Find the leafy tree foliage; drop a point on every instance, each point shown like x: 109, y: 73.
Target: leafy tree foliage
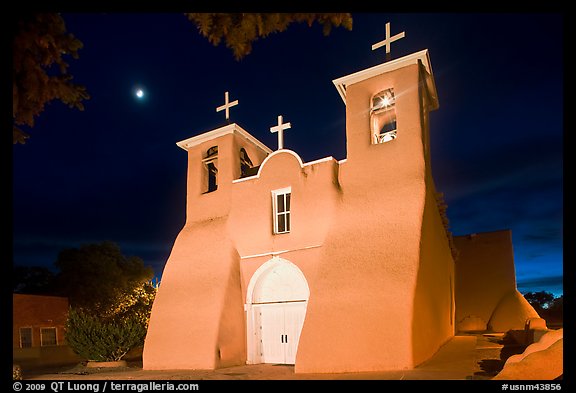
x: 16, y: 372
x: 39, y: 70
x: 97, y: 339
x: 539, y: 300
x: 134, y: 303
x: 98, y: 277
x: 33, y: 280
x: 240, y: 30
x: 546, y: 305
x: 111, y: 297
x: 556, y: 308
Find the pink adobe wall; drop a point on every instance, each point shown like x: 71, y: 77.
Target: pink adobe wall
x: 313, y: 201
x: 361, y: 315
x: 198, y: 305
x: 434, y: 304
x: 305, y: 260
x: 433, y: 323
x: 546, y: 364
x: 486, y: 260
x: 357, y: 235
x: 205, y: 206
x: 511, y: 313
x: 197, y: 319
x: 542, y: 360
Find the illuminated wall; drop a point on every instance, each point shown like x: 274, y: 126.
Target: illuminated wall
x: 486, y: 294
x: 365, y: 237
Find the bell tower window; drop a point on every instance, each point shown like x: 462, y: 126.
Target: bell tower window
x: 210, y: 176
x: 383, y: 116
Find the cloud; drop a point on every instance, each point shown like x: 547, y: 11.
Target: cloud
x: 554, y: 284
x: 544, y: 235
x: 545, y: 280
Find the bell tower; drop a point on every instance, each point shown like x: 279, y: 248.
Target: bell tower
x: 388, y: 201
x: 387, y: 110
x: 215, y: 159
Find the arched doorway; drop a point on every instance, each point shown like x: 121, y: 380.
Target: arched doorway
x: 276, y: 303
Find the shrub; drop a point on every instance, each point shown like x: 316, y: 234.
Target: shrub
x: 16, y: 372
x: 103, y: 340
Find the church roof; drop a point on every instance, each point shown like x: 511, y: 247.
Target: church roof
x: 228, y: 129
x: 423, y: 56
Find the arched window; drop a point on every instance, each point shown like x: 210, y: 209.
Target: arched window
x: 245, y: 164
x: 383, y: 116
x: 210, y: 178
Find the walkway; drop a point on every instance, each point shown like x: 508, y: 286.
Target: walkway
x: 456, y: 360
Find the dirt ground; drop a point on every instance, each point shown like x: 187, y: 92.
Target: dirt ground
x: 491, y: 353
x: 474, y: 356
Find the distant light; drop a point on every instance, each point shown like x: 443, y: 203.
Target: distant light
x: 139, y: 93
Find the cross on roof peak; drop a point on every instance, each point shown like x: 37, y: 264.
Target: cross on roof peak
x: 280, y: 130
x: 388, y: 40
x: 227, y: 105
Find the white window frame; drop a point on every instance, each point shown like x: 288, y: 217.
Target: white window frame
x: 31, y: 336
x: 42, y: 337
x: 286, y: 213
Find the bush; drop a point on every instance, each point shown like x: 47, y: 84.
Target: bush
x: 16, y: 372
x: 103, y: 340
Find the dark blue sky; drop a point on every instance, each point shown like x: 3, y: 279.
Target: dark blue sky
x: 114, y: 172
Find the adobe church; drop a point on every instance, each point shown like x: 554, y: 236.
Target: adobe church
x: 333, y: 266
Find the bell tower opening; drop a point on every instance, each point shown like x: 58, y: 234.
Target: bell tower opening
x: 210, y: 175
x: 383, y: 116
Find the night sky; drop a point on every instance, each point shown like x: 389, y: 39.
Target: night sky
x: 114, y: 172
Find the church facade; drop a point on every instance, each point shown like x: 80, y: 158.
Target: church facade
x: 333, y: 266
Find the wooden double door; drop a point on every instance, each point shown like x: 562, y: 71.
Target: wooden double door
x: 278, y: 327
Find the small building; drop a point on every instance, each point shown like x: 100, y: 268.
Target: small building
x: 38, y: 331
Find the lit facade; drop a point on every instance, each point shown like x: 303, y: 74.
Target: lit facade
x: 333, y: 266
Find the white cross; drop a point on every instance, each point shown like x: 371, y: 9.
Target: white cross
x: 227, y: 105
x: 388, y: 39
x: 280, y: 130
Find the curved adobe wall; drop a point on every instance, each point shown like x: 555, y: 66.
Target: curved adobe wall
x: 197, y: 319
x: 511, y: 313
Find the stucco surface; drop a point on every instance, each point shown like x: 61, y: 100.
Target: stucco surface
x: 365, y: 233
x: 542, y: 360
x: 472, y: 323
x: 433, y: 322
x: 511, y: 313
x: 198, y: 307
x: 362, y: 316
x: 486, y: 291
x: 545, y: 341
